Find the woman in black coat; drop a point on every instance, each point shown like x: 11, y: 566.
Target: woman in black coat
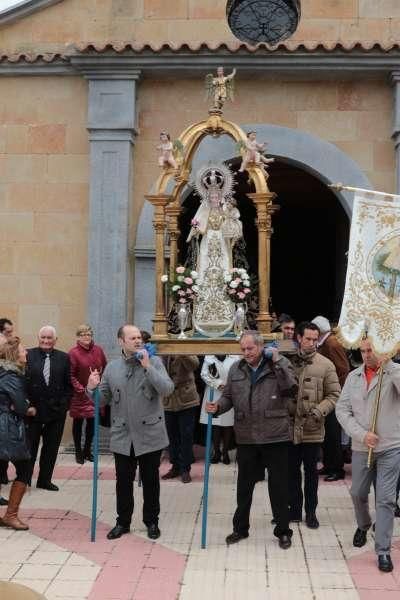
x: 13, y: 407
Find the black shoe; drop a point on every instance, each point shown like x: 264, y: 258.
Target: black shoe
x: 225, y: 459
x: 3, y: 501
x: 360, y: 538
x: 185, y: 477
x: 79, y: 458
x: 153, y: 531
x: 285, y: 541
x: 273, y: 521
x: 171, y: 474
x: 397, y: 511
x: 88, y: 456
x: 385, y: 563
x: 117, y: 531
x: 334, y: 477
x: 323, y: 471
x: 215, y: 459
x: 235, y: 537
x: 51, y: 487
x: 312, y: 521
x: 4, y: 480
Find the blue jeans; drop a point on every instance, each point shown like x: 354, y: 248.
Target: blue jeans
x: 180, y: 428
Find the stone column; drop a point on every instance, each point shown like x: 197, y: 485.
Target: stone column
x: 111, y: 126
x: 265, y: 209
x: 395, y: 79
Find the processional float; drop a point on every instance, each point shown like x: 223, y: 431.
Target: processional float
x: 209, y: 286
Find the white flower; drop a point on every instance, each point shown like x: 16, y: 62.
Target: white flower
x: 195, y: 288
x: 227, y: 277
x: 194, y: 274
x: 164, y: 278
x: 233, y: 284
x: 180, y: 278
x: 241, y: 271
x: 175, y: 288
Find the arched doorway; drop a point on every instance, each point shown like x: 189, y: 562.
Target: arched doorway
x: 308, y: 245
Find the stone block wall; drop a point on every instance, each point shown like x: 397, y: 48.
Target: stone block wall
x: 159, y: 21
x: 43, y: 204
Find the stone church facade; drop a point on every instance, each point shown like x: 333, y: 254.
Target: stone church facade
x: 86, y: 86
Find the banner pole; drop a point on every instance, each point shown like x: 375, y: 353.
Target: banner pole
x: 206, y: 474
x: 96, y: 395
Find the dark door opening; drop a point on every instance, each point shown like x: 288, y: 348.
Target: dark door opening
x: 308, y: 245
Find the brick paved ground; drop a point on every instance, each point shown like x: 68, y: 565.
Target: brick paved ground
x: 57, y: 559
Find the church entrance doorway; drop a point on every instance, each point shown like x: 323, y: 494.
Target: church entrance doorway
x: 308, y: 245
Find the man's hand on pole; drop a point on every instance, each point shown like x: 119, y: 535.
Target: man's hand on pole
x: 371, y: 439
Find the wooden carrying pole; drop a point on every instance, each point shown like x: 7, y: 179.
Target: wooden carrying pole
x: 376, y: 411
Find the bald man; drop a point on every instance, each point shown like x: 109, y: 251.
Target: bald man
x: 49, y: 391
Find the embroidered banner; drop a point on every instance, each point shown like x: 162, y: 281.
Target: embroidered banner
x: 372, y: 295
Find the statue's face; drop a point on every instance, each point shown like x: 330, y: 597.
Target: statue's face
x: 252, y: 136
x: 163, y: 137
x: 220, y: 71
x: 214, y: 198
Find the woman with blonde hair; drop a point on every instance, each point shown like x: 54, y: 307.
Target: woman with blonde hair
x: 14, y: 406
x: 85, y: 357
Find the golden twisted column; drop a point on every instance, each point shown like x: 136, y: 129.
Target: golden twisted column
x: 160, y: 321
x: 265, y: 209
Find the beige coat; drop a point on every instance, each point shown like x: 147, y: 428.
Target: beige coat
x: 181, y: 370
x: 319, y: 390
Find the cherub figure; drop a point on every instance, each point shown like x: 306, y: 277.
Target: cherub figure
x: 166, y: 147
x: 253, y: 153
x: 220, y: 88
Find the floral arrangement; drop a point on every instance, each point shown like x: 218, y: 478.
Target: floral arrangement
x: 182, y: 287
x: 237, y: 285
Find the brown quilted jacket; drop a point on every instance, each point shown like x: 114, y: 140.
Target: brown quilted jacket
x: 319, y: 390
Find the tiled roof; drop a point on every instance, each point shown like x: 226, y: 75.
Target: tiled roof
x: 202, y: 47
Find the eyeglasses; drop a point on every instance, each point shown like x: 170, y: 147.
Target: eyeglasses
x: 85, y: 335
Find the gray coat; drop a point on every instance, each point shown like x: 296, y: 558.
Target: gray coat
x: 137, y: 412
x: 354, y: 409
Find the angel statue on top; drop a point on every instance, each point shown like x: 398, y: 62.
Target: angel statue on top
x: 215, y: 228
x: 252, y: 153
x: 168, y: 151
x: 220, y: 88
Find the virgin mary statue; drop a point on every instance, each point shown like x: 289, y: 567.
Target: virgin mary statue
x: 216, y: 227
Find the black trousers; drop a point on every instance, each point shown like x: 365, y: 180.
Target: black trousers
x: 332, y: 446
x: 77, y: 426
x: 306, y: 454
x: 51, y: 434
x: 180, y: 428
x: 251, y: 458
x: 125, y: 469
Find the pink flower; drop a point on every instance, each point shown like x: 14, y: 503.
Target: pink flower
x: 181, y: 293
x: 188, y: 280
x: 231, y: 292
x: 247, y: 290
x: 180, y: 269
x: 194, y: 223
x: 238, y: 280
x: 241, y: 295
x: 182, y: 300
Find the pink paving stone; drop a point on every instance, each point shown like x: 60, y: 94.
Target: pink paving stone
x: 123, y: 561
x: 375, y: 581
x: 383, y: 595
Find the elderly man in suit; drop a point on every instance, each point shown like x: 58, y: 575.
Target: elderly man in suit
x: 134, y: 385
x: 49, y: 391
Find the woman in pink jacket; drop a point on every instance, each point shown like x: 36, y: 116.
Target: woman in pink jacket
x: 85, y: 357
